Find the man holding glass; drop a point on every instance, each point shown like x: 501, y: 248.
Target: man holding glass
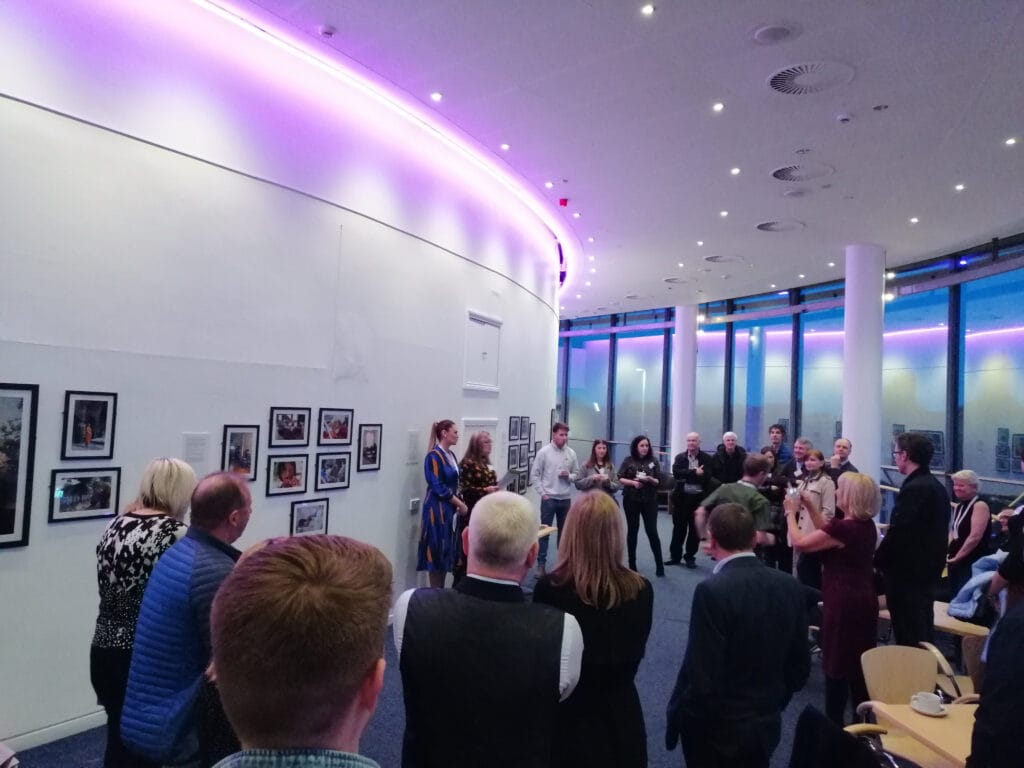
x: 555, y: 469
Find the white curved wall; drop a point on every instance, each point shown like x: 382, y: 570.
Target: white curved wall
x: 186, y: 226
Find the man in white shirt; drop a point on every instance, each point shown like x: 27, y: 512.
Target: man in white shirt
x: 482, y: 652
x: 555, y: 469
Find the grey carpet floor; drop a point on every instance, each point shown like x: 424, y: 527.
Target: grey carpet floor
x: 382, y: 740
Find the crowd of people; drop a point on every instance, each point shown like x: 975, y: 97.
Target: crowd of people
x: 295, y: 627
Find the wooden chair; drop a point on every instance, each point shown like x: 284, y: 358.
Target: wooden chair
x: 894, y: 673
x: 950, y: 683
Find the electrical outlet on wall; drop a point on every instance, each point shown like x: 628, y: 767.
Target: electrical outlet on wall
x: 414, y: 505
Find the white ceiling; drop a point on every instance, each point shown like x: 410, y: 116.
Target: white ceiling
x: 615, y: 107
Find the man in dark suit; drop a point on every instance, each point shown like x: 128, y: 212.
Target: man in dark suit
x: 913, y: 553
x: 793, y: 470
x: 691, y: 470
x: 746, y: 655
x: 481, y: 654
x: 840, y: 462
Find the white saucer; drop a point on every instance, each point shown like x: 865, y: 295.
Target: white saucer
x: 941, y: 713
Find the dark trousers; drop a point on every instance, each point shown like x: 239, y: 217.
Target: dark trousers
x: 910, y: 609
x: 808, y: 570
x: 838, y: 692
x: 551, y: 510
x: 648, y: 510
x: 699, y: 752
x: 108, y: 670
x: 684, y: 527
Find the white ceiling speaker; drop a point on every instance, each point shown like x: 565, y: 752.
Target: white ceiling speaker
x: 803, y: 172
x: 810, y: 77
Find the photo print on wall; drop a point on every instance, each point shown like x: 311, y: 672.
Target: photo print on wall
x: 89, y: 421
x: 369, y: 447
x: 289, y: 427
x: 332, y: 471
x: 335, y: 426
x: 240, y: 450
x: 309, y: 517
x: 18, y: 404
x: 286, y: 474
x: 81, y: 494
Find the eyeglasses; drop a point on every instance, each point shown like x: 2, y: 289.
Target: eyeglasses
x: 897, y: 453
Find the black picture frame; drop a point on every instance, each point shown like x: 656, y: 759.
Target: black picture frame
x: 309, y: 517
x: 90, y: 419
x: 536, y: 447
x: 370, y: 441
x: 333, y: 471
x: 513, y: 428
x: 522, y: 483
x: 334, y: 426
x: 513, y: 457
x: 84, y: 494
x: 524, y: 456
x: 533, y: 431
x: 524, y: 422
x: 295, y: 482
x: 289, y: 427
x: 240, y: 450
x: 19, y: 404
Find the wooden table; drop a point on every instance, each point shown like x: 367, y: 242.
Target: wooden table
x: 946, y: 623
x: 949, y: 736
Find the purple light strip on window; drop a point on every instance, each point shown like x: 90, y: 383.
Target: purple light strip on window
x: 428, y: 123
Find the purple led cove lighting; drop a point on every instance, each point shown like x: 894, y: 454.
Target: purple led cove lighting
x: 429, y: 123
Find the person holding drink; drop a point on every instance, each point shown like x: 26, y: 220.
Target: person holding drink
x: 555, y: 469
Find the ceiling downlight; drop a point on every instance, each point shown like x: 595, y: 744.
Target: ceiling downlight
x: 810, y: 78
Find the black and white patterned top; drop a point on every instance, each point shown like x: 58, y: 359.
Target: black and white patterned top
x: 125, y: 556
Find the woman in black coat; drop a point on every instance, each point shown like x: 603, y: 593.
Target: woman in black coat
x: 601, y: 725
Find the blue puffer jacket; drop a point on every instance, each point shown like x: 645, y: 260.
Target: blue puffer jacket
x: 172, y: 648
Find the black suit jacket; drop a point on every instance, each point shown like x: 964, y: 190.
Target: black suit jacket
x: 746, y: 655
x: 682, y: 474
x: 914, y: 548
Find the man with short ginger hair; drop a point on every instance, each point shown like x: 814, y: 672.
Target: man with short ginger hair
x: 482, y: 654
x: 298, y: 646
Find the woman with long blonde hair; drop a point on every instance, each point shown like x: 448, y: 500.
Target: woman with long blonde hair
x: 602, y: 723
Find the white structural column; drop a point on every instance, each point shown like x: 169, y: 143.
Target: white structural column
x: 684, y: 376
x: 862, y: 355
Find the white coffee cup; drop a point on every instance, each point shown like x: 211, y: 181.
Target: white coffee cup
x: 641, y: 475
x: 926, y: 702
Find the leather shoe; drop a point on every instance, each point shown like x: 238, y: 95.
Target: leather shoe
x: 673, y: 562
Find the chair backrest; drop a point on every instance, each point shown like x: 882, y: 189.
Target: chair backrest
x: 894, y: 673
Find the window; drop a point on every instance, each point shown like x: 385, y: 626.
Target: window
x: 821, y: 382
x: 761, y: 377
x: 638, y: 396
x: 588, y: 390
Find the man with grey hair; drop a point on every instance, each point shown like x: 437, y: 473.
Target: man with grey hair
x: 727, y: 463
x: 793, y: 470
x: 481, y: 651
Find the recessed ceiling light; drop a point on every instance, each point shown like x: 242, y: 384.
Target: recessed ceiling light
x: 436, y: 97
x: 590, y: 239
x: 587, y: 283
x: 831, y: 263
x: 735, y: 171
x: 890, y: 275
x: 576, y: 214
x: 593, y: 270
x: 723, y: 214
x: 914, y: 219
x: 1011, y: 141
x: 562, y: 306
x: 579, y: 295
x: 801, y: 276
x: 505, y: 147
x: 772, y: 285
x: 647, y: 10
x: 591, y: 258
x: 680, y: 263
x: 718, y: 106
x: 959, y: 187
x: 700, y: 243
x: 548, y: 184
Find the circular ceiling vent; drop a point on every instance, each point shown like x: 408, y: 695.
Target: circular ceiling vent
x: 721, y: 258
x: 785, y: 225
x: 773, y: 34
x: 811, y: 77
x: 803, y: 172
x: 637, y: 296
x: 674, y: 280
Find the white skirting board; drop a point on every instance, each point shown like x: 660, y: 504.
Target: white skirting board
x: 56, y: 731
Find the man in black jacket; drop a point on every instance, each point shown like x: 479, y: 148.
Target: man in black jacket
x: 727, y: 463
x: 746, y: 654
x: 692, y: 472
x: 913, y: 553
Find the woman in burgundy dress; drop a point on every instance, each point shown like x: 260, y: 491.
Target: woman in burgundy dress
x: 850, y: 609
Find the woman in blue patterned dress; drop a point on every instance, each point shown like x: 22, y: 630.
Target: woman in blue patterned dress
x: 440, y: 503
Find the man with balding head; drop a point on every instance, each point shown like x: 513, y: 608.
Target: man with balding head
x: 172, y: 715
x: 692, y: 472
x: 481, y: 654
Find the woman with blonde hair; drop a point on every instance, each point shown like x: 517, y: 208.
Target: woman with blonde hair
x: 478, y: 479
x: 850, y: 605
x: 968, y: 529
x: 602, y: 723
x: 125, y: 556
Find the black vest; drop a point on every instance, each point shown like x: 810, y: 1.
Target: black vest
x: 480, y: 669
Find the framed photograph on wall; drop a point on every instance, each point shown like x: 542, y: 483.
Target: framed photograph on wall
x: 533, y: 431
x: 334, y: 426
x: 286, y: 474
x: 524, y: 427
x: 524, y: 456
x: 536, y: 447
x: 240, y: 450
x: 81, y: 494
x: 522, y: 484
x: 369, y: 447
x: 513, y: 428
x: 332, y: 471
x: 289, y: 427
x: 309, y: 517
x: 89, y: 420
x: 18, y: 405
x: 513, y: 457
